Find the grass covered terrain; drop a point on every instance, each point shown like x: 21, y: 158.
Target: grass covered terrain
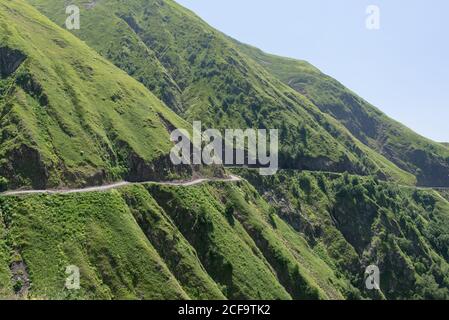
x: 353, y: 222
x: 95, y: 232
x: 203, y: 75
x: 310, y: 236
x: 426, y: 159
x: 68, y: 116
x: 154, y: 242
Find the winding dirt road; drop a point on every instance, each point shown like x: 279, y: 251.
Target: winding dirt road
x: 232, y: 178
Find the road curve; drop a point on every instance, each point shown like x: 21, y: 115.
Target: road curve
x: 231, y: 178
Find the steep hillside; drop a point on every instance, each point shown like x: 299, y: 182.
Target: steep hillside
x: 353, y: 222
x: 217, y: 84
x: 68, y: 116
x: 156, y: 242
x: 426, y: 159
x: 95, y: 232
x: 310, y: 236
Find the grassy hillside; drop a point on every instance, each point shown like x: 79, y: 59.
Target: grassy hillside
x: 95, y: 232
x: 310, y: 236
x: 207, y: 242
x: 68, y: 116
x: 426, y: 159
x: 353, y: 222
x: 216, y: 83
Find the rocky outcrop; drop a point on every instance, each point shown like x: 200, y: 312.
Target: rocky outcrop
x: 25, y: 164
x: 31, y: 86
x: 10, y: 60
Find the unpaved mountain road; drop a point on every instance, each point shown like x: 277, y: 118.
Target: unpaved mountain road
x: 231, y: 178
x: 189, y: 183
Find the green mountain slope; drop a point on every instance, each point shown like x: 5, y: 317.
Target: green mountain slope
x: 216, y: 83
x: 310, y: 236
x: 153, y: 242
x: 354, y: 222
x: 426, y: 159
x: 95, y: 232
x: 68, y: 116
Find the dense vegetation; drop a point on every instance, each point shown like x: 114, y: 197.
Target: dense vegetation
x: 310, y: 236
x: 69, y: 116
x: 156, y: 242
x: 206, y: 75
x: 357, y: 221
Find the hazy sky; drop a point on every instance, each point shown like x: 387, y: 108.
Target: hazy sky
x: 402, y: 68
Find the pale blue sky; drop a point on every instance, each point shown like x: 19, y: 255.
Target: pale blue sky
x: 403, y: 68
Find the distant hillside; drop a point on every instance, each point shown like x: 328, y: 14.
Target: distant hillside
x: 426, y: 159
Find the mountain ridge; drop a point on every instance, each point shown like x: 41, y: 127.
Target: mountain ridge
x: 224, y: 87
x: 426, y: 159
x: 69, y: 117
